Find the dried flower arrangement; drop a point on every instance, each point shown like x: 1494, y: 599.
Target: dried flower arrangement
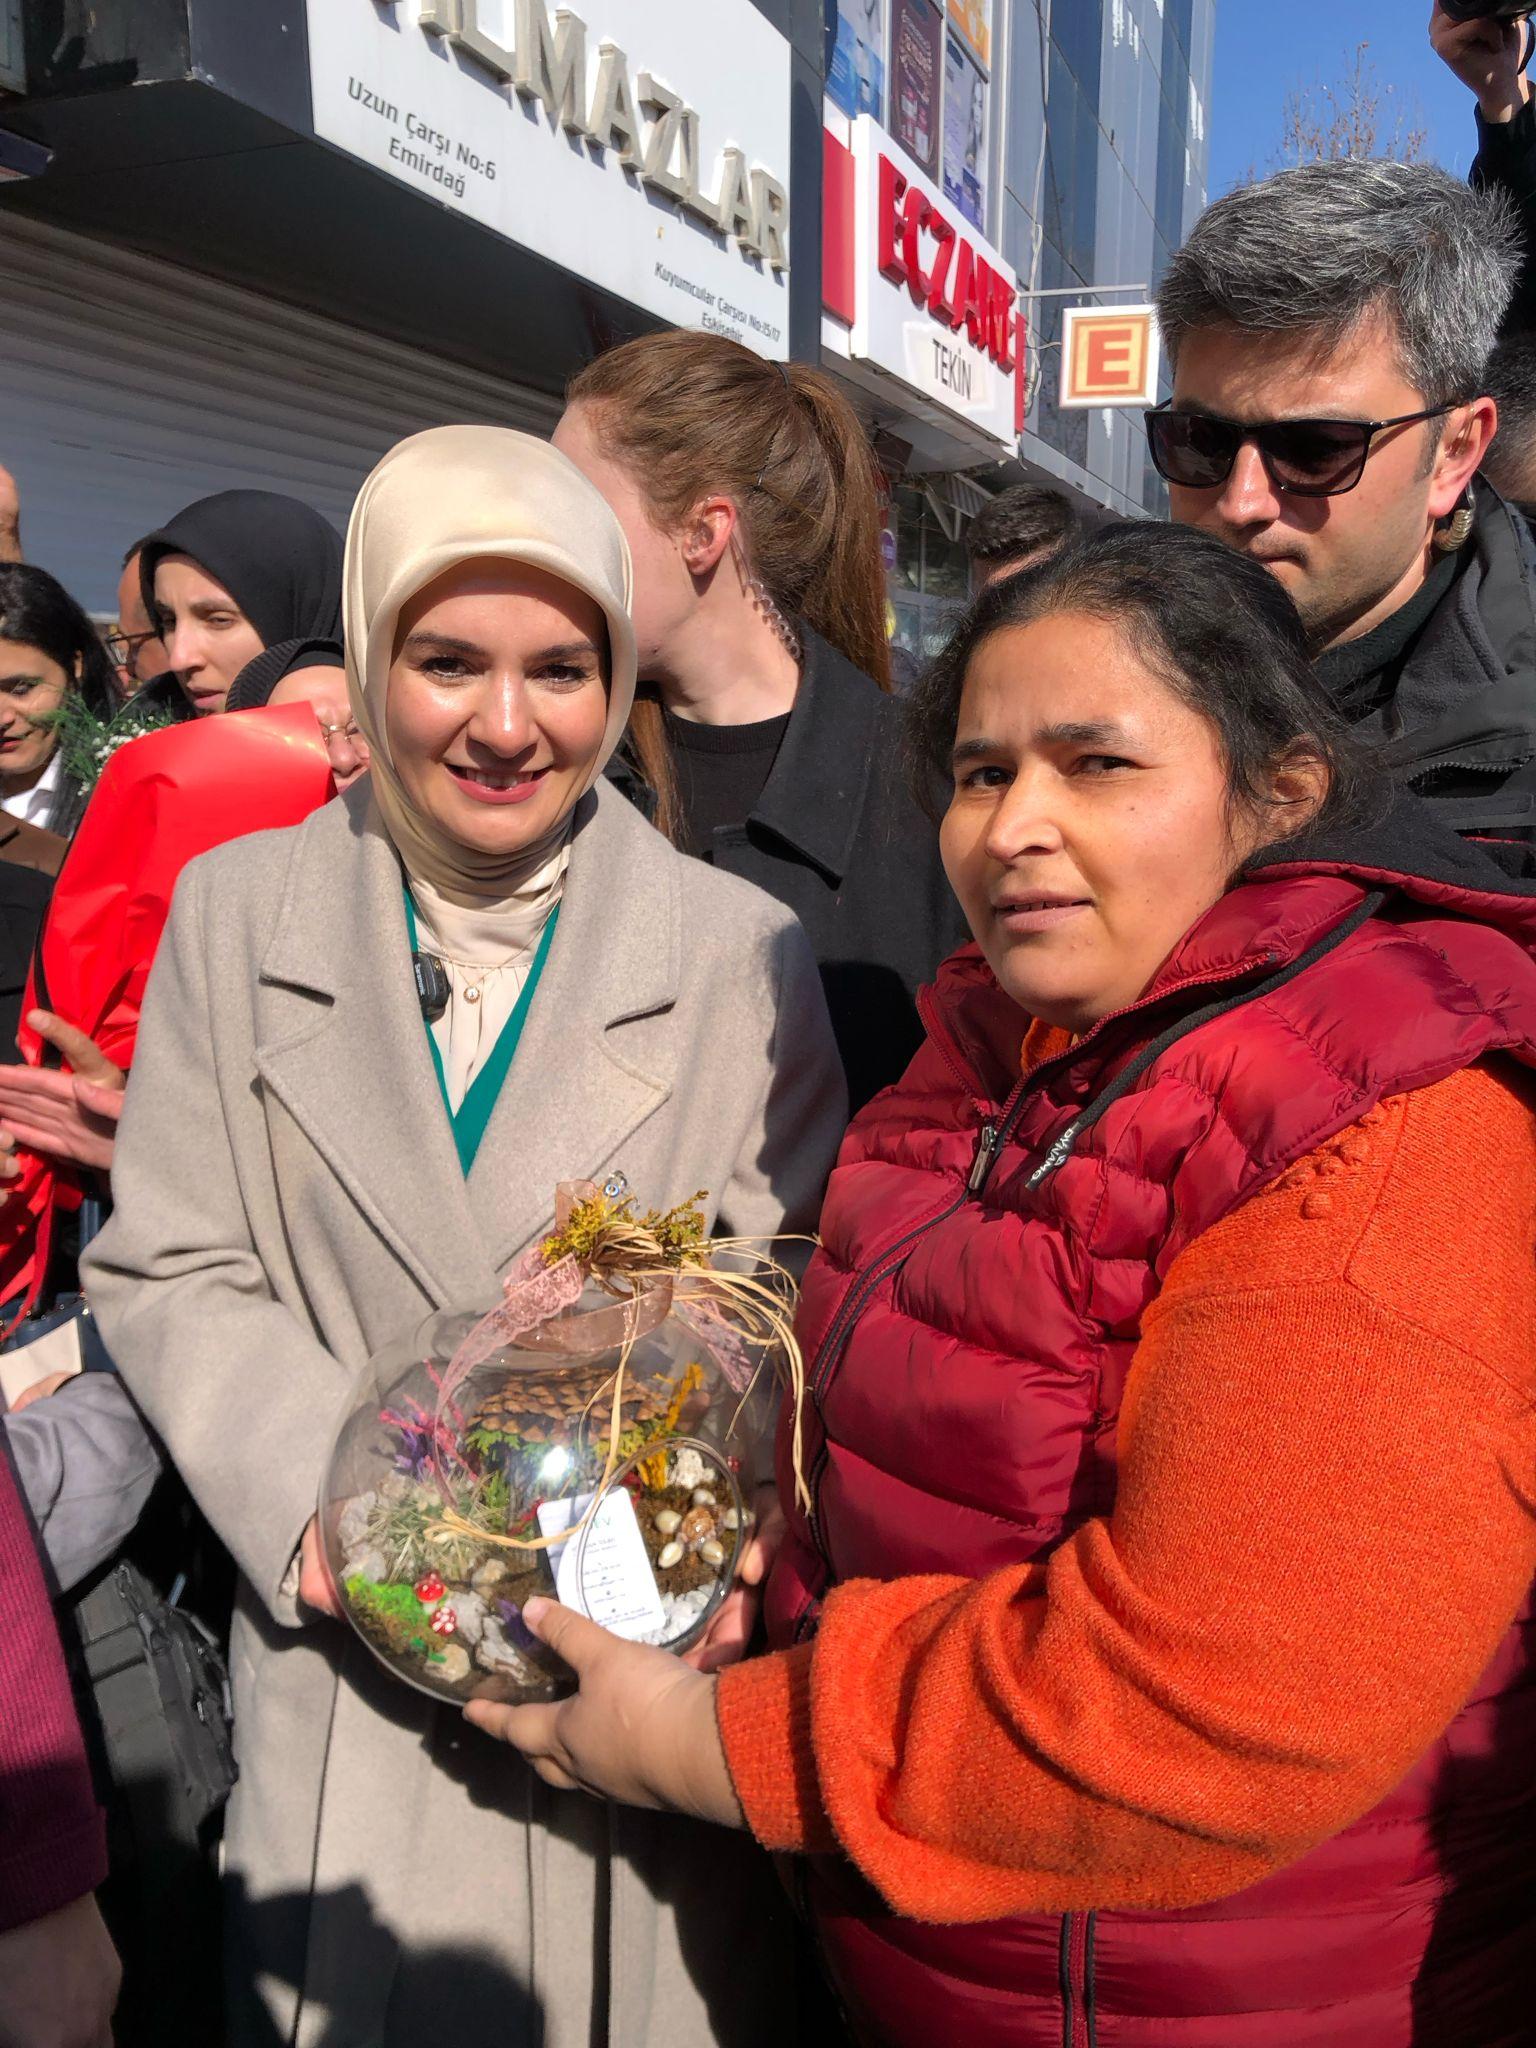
x: 583, y: 1439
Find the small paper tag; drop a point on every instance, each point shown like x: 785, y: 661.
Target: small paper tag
x: 615, y: 1584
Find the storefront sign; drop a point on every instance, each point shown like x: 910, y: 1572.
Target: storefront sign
x: 965, y: 133
x: 973, y: 20
x: 931, y: 303
x: 1109, y: 355
x: 917, y: 52
x: 856, y: 56
x: 641, y: 144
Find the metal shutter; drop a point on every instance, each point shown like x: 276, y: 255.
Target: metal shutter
x: 129, y: 387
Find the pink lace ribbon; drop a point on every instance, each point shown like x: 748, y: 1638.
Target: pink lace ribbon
x: 534, y: 1314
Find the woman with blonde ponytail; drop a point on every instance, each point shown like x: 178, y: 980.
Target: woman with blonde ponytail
x: 763, y: 737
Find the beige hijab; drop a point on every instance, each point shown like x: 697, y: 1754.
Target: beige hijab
x: 448, y: 496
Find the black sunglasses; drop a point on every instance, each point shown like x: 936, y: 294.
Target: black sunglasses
x: 1304, y: 458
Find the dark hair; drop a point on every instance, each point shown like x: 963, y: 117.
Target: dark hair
x: 1214, y: 625
x: 690, y: 413
x: 36, y: 611
x: 1510, y: 464
x: 1029, y: 519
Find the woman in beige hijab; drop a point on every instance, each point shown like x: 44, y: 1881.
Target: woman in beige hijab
x: 309, y: 1162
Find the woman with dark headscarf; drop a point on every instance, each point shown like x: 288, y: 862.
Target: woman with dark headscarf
x: 246, y: 589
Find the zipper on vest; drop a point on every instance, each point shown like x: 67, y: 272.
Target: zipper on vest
x: 836, y: 1339
x: 988, y: 1145
x: 986, y: 1155
x: 1078, y: 2028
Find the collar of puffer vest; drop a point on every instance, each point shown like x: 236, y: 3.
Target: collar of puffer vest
x: 1287, y: 899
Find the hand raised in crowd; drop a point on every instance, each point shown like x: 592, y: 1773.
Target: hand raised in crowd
x: 10, y: 518
x: 66, y: 1116
x: 59, y: 1979
x: 1485, y: 55
x: 641, y: 1728
x: 729, y: 1633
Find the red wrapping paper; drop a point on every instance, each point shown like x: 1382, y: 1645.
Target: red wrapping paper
x: 161, y: 801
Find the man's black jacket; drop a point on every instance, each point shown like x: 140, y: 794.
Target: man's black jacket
x: 1460, y: 728
x: 1506, y: 161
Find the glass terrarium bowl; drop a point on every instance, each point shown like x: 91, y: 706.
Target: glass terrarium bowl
x: 567, y: 1462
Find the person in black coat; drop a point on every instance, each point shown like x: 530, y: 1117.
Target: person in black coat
x: 24, y: 893
x: 766, y: 740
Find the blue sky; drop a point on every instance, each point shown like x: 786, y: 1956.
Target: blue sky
x: 1265, y: 48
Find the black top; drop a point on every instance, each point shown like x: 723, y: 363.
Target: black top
x: 1506, y: 161
x: 1362, y: 675
x: 24, y: 897
x: 721, y: 773
x: 1458, y: 723
x: 835, y: 836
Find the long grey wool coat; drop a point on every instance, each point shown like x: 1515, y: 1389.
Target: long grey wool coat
x: 288, y: 1199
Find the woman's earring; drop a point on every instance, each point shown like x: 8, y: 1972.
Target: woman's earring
x: 1457, y: 530
x: 771, y: 610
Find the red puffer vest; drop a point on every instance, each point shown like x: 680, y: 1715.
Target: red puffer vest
x: 990, y: 1247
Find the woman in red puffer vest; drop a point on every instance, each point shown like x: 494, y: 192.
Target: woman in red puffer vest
x: 1155, y: 1650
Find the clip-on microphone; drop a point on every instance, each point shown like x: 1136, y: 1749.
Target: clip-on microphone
x: 432, y: 990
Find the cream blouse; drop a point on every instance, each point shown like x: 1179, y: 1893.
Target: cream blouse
x: 486, y: 951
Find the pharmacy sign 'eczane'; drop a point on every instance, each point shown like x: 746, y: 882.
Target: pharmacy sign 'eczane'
x: 641, y: 144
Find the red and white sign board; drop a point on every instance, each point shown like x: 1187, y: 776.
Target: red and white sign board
x: 925, y: 299
x: 1109, y: 355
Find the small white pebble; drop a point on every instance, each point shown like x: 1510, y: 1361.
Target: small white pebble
x: 702, y: 1497
x: 671, y: 1554
x: 668, y: 1522
x: 712, y: 1552
x: 451, y: 1663
x: 730, y: 1519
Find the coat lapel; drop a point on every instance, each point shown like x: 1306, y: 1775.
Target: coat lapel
x: 341, y: 1043
x: 580, y: 1085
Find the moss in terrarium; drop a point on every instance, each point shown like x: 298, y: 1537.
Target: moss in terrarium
x: 391, y: 1614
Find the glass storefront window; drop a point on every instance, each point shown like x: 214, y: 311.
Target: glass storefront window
x: 929, y: 587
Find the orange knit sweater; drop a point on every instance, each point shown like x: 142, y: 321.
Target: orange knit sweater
x: 1326, y: 1521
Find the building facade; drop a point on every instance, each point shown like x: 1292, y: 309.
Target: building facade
x: 398, y: 213
x: 409, y: 211
x: 1051, y: 148
x: 1103, y: 171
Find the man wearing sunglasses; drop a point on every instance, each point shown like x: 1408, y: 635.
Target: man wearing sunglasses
x: 1329, y: 331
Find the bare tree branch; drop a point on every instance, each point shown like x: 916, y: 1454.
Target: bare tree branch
x: 1356, y: 115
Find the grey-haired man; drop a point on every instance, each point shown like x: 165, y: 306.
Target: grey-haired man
x: 1329, y: 330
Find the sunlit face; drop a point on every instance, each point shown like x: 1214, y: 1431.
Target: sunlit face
x: 497, y: 702
x: 31, y: 686
x: 207, y: 638
x: 140, y: 656
x: 325, y: 689
x: 1349, y: 561
x: 1089, y: 826
x: 666, y: 597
